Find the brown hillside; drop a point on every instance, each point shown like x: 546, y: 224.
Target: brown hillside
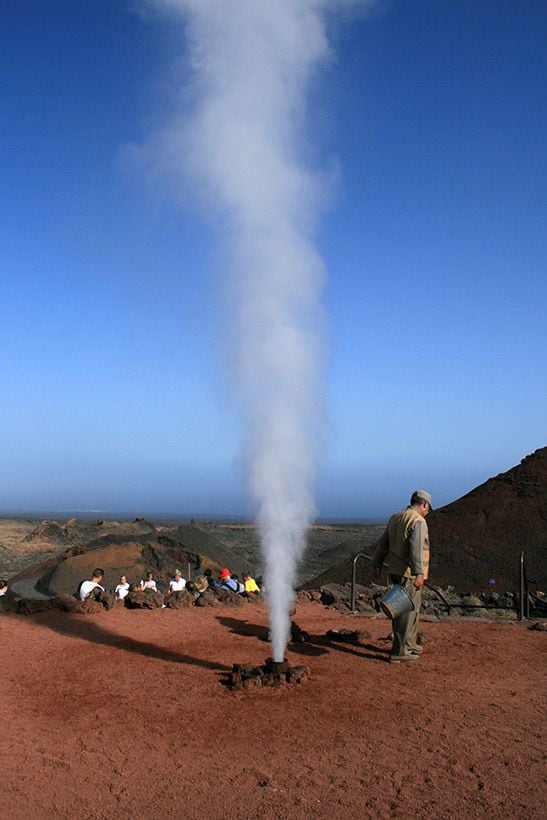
x: 481, y: 535
x: 131, y: 554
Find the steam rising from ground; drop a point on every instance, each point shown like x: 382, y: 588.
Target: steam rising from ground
x: 239, y: 138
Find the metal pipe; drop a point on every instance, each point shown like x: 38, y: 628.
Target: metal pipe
x: 354, y: 574
x: 437, y: 592
x: 524, y: 603
x: 521, y: 602
x: 369, y: 558
x: 527, y: 605
x: 441, y: 596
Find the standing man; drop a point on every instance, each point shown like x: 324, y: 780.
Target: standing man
x: 405, y: 543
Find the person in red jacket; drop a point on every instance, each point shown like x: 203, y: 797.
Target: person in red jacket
x: 226, y: 581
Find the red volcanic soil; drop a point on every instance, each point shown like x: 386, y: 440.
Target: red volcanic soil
x: 124, y: 713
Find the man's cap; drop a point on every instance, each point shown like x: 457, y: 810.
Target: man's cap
x: 225, y: 573
x: 421, y: 495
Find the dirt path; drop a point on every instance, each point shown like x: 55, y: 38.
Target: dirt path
x: 124, y: 713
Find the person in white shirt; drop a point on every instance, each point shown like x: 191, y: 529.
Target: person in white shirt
x: 3, y: 587
x: 122, y: 589
x: 87, y: 587
x: 149, y: 582
x: 177, y: 583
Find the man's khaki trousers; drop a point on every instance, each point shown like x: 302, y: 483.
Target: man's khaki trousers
x: 405, y: 627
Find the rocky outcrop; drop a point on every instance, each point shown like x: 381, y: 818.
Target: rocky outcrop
x: 180, y: 600
x: 143, y: 599
x: 436, y: 602
x: 49, y: 532
x: 74, y: 532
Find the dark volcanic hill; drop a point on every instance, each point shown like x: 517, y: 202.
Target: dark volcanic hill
x: 481, y: 535
x: 132, y: 551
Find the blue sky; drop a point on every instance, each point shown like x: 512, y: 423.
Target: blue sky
x: 432, y: 112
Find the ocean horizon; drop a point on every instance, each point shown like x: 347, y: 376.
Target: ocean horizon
x: 166, y: 517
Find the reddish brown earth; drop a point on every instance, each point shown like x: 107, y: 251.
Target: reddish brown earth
x: 123, y: 713
x: 482, y: 535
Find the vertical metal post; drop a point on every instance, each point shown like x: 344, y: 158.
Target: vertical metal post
x: 521, y: 607
x: 354, y: 575
x: 189, y: 572
x: 526, y: 590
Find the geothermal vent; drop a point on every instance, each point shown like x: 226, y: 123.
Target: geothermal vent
x: 271, y: 674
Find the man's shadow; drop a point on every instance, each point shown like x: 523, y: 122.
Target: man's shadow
x: 315, y: 645
x: 238, y: 627
x: 319, y: 644
x: 64, y: 624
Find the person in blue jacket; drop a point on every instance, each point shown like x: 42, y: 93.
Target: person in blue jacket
x: 226, y: 581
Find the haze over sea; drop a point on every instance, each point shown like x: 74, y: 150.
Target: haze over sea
x: 165, y: 518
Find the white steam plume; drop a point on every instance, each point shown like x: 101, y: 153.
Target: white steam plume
x: 252, y: 62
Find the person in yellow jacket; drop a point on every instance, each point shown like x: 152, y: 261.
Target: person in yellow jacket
x: 250, y: 583
x: 405, y: 546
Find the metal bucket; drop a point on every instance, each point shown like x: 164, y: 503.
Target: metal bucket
x: 396, y: 602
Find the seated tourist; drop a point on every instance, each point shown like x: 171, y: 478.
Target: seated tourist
x: 250, y: 583
x: 201, y: 583
x: 208, y: 575
x: 178, y: 583
x: 122, y: 589
x: 3, y: 587
x: 192, y: 589
x: 240, y: 587
x: 149, y: 583
x: 91, y: 589
x: 226, y: 581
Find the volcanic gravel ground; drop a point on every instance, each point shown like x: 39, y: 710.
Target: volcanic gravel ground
x: 124, y: 713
